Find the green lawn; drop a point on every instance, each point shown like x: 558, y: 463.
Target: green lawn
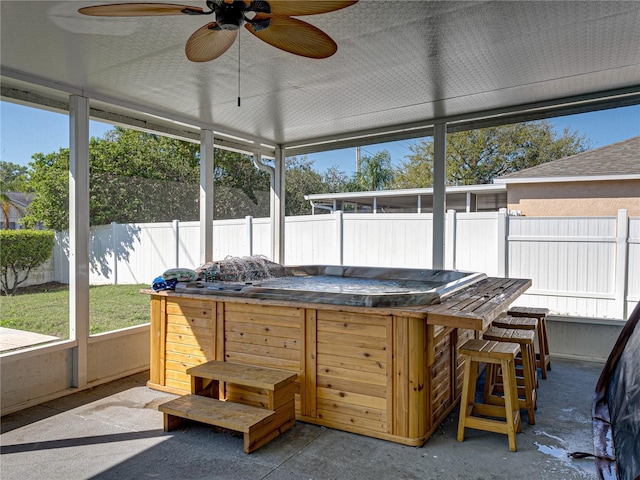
x: 45, y: 308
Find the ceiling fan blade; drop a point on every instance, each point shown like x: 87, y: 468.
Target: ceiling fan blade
x: 209, y: 42
x: 295, y: 36
x: 139, y: 10
x: 293, y: 8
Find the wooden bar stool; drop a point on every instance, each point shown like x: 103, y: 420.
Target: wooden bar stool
x: 526, y: 384
x: 506, y: 418
x: 519, y: 323
x: 543, y: 358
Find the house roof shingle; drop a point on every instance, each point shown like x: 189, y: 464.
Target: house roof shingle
x: 621, y: 158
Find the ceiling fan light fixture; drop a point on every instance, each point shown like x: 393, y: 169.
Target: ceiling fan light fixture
x: 230, y: 16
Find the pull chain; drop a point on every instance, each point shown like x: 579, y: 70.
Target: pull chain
x: 239, y: 65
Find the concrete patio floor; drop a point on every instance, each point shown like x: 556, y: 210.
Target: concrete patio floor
x: 115, y: 431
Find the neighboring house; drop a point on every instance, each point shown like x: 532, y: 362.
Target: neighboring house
x: 18, y: 203
x: 592, y: 183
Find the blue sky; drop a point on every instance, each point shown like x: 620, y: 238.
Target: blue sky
x: 25, y: 131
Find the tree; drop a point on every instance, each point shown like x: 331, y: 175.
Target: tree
x: 376, y: 172
x: 301, y: 180
x: 335, y: 181
x: 13, y: 178
x: 140, y: 177
x: 240, y: 189
x: 476, y: 157
x: 22, y: 251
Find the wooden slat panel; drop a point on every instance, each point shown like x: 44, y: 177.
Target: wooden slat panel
x: 417, y: 377
x: 192, y: 340
x: 351, y: 398
x: 354, y: 352
x: 341, y: 321
x: 352, y: 409
x: 206, y: 351
x: 351, y: 386
x: 292, y: 331
x: 251, y: 313
x: 187, y: 359
x: 309, y: 388
x: 190, y: 330
x: 182, y: 386
x: 196, y: 322
x: 155, y: 362
x: 344, y: 419
x: 262, y: 350
x: 348, y: 374
x: 263, y: 340
x: 356, y: 364
x: 181, y: 310
x: 259, y: 360
x: 359, y: 341
x: 401, y: 379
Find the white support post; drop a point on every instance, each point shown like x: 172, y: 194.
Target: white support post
x: 419, y: 206
x: 175, y: 226
x: 248, y: 221
x: 503, y: 234
x: 375, y: 204
x: 79, y: 235
x: 339, y: 237
x: 278, y: 193
x: 450, y: 250
x: 620, y: 287
x: 439, y: 176
x: 114, y: 249
x: 206, y: 196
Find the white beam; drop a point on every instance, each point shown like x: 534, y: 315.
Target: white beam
x: 439, y: 175
x: 278, y: 193
x: 79, y: 235
x: 206, y: 196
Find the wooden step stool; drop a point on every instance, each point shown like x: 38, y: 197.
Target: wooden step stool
x: 543, y: 358
x: 471, y: 413
x: 526, y: 385
x: 259, y: 424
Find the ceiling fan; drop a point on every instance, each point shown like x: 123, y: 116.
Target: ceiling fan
x: 269, y: 20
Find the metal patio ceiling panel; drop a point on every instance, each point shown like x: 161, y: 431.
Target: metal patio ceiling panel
x: 398, y: 63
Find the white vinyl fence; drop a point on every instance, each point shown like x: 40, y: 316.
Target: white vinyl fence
x: 580, y: 266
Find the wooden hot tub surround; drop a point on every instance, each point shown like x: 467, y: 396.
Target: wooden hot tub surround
x: 390, y: 373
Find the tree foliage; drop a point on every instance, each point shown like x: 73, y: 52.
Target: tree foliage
x: 478, y: 156
x: 13, y: 178
x: 22, y: 251
x: 139, y: 177
x: 376, y: 172
x: 301, y: 180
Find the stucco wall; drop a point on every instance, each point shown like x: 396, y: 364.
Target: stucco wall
x: 575, y: 198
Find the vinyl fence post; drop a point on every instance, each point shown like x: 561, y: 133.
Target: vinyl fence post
x: 339, y: 236
x: 249, y: 231
x: 503, y: 216
x: 450, y: 242
x: 176, y: 236
x: 620, y: 286
x: 114, y: 248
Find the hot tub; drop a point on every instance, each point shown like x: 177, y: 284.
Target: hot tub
x: 374, y: 349
x: 337, y: 285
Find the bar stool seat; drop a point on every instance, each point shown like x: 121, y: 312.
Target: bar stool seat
x: 543, y: 358
x: 505, y: 418
x: 526, y: 384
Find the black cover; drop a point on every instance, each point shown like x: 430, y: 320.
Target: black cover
x: 616, y: 407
